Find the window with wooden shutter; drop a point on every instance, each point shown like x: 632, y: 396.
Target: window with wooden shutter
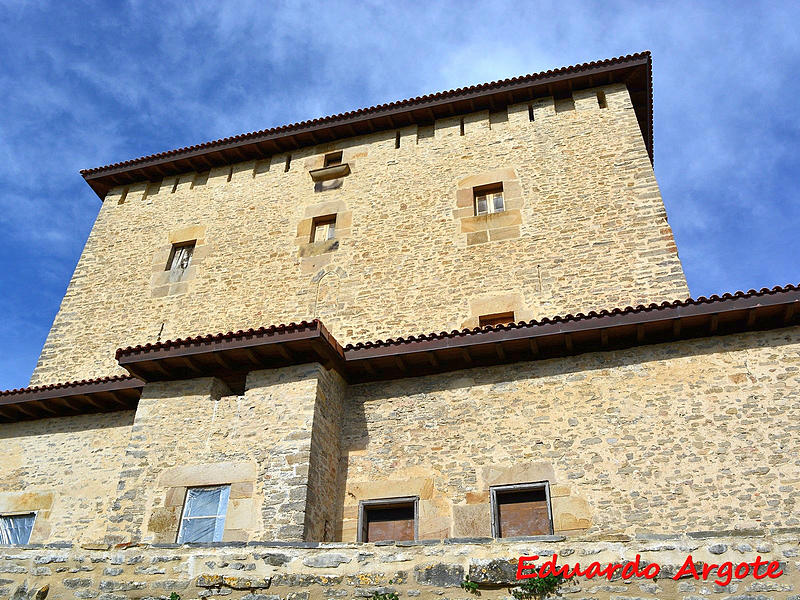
x: 521, y: 510
x: 323, y: 228
x: 388, y: 519
x: 179, y: 260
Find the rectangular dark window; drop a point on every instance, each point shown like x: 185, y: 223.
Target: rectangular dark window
x: 521, y: 510
x: 15, y: 530
x: 333, y: 159
x: 388, y: 519
x: 496, y: 319
x: 323, y: 228
x: 489, y: 199
x: 179, y: 260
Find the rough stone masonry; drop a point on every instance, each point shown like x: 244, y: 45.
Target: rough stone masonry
x: 663, y: 450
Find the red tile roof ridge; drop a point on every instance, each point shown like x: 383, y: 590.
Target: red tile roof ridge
x: 68, y: 384
x: 271, y: 329
x: 361, y: 111
x: 576, y: 317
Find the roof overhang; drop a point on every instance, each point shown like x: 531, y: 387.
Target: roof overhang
x: 65, y: 399
x: 580, y: 334
x: 230, y: 356
x: 633, y: 70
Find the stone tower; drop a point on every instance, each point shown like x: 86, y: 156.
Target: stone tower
x: 582, y: 225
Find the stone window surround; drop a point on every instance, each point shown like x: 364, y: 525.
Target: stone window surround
x: 431, y: 523
x: 25, y: 503
x: 570, y: 512
x: 492, y: 305
x: 315, y: 255
x: 164, y: 522
x: 159, y: 281
x: 439, y: 517
x: 479, y: 229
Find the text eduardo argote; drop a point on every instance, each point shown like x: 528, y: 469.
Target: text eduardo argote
x: 721, y: 574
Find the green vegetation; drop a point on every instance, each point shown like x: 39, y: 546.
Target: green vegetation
x: 538, y: 588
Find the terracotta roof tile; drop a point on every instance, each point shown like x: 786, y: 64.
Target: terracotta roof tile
x: 219, y: 337
x: 69, y: 384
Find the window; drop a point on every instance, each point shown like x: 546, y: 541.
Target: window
x: 496, y: 319
x: 204, y: 511
x: 179, y: 260
x: 333, y: 159
x: 388, y: 519
x: 521, y: 509
x: 489, y: 199
x: 15, y: 530
x: 323, y: 228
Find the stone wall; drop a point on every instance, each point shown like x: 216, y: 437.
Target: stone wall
x: 691, y: 435
x: 697, y: 434
x: 586, y: 230
x: 277, y: 445
x: 430, y: 569
x: 321, y: 509
x: 65, y: 470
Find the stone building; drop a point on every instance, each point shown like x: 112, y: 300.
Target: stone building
x: 349, y: 452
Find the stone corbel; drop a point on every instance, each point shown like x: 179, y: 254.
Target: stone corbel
x: 328, y: 173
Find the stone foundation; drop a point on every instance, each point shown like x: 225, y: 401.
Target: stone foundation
x: 425, y: 569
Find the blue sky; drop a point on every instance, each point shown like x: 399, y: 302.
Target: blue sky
x: 89, y: 83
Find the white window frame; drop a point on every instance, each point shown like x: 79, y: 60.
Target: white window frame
x: 490, y: 194
x: 327, y: 224
x: 222, y: 509
x: 18, y: 515
x: 518, y: 487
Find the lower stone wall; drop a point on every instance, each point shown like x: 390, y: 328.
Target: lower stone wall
x: 425, y: 569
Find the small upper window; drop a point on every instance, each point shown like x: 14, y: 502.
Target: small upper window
x: 496, y: 319
x: 489, y: 199
x: 388, y: 519
x: 333, y: 159
x: 323, y: 228
x: 204, y: 511
x: 521, y: 510
x: 15, y: 530
x: 179, y: 260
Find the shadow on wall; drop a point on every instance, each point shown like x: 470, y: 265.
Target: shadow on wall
x: 67, y: 425
x: 581, y: 363
x: 451, y: 427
